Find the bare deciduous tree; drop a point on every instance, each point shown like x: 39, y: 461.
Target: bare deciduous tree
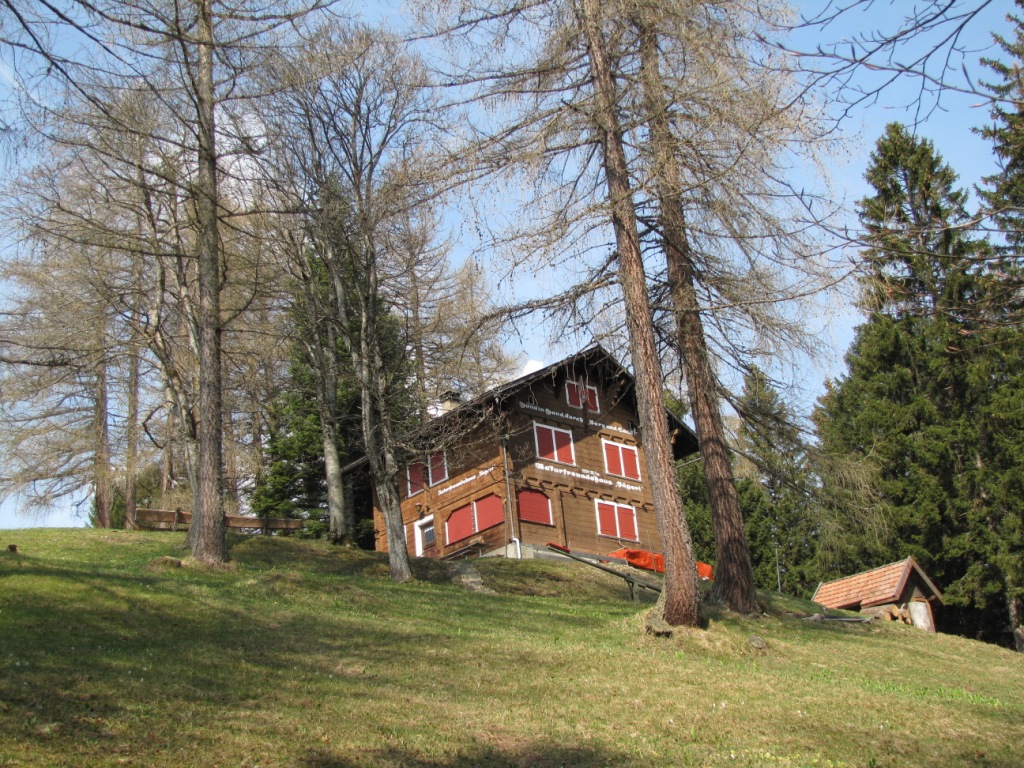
x: 358, y: 121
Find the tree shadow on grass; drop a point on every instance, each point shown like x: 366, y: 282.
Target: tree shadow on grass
x: 536, y: 755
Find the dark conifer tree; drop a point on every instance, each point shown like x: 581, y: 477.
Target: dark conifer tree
x: 931, y: 391
x: 780, y: 526
x: 1003, y: 192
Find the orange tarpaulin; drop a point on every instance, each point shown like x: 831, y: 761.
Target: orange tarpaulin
x: 641, y: 558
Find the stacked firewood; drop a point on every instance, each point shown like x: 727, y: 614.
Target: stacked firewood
x: 893, y: 612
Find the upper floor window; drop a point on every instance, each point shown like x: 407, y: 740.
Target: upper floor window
x: 437, y: 468
x: 621, y: 460
x: 421, y: 474
x: 580, y: 395
x: 554, y: 444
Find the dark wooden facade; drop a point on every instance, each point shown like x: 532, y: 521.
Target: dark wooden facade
x: 554, y: 456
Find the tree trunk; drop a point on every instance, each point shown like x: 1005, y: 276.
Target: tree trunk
x: 384, y: 474
x: 340, y: 529
x: 131, y: 454
x: 681, y: 605
x: 207, y: 534
x: 326, y: 357
x: 734, y: 574
x: 101, y: 458
x: 378, y: 437
x: 1016, y: 606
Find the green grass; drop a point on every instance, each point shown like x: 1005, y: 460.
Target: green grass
x: 304, y: 655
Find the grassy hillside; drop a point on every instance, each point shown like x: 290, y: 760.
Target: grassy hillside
x: 303, y: 655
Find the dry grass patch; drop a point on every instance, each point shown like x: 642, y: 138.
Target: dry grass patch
x: 307, y: 656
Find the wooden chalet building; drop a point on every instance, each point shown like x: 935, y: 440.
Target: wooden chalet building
x: 554, y: 456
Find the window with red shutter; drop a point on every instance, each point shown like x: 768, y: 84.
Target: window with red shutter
x: 606, y: 519
x: 572, y: 394
x: 627, y: 523
x: 460, y: 524
x: 630, y: 462
x: 621, y: 460
x: 490, y: 511
x: 554, y: 444
x: 578, y: 395
x: 563, y: 447
x: 616, y: 520
x: 414, y: 474
x: 438, y: 468
x: 478, y: 516
x: 534, y: 507
x: 612, y: 460
x: 545, y: 442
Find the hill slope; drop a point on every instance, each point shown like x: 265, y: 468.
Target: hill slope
x: 304, y: 655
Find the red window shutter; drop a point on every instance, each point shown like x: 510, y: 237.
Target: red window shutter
x: 563, y: 448
x: 534, y: 507
x: 545, y: 442
x: 606, y: 519
x: 572, y: 394
x: 460, y: 524
x: 612, y: 458
x: 627, y: 523
x: 490, y: 511
x: 415, y: 478
x: 591, y: 399
x: 438, y: 469
x: 630, y: 462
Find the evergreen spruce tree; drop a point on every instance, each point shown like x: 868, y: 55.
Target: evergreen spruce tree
x: 1003, y: 436
x: 293, y: 484
x: 930, y: 378
x: 774, y: 497
x: 1003, y: 193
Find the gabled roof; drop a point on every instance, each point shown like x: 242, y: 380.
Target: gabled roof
x: 685, y: 440
x: 878, y: 586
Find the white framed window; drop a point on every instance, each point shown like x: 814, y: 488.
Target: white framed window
x: 616, y: 520
x: 423, y: 533
x: 414, y: 478
x: 437, y: 468
x: 554, y: 444
x: 474, y: 517
x: 581, y: 395
x: 534, y: 507
x: 421, y: 474
x: 622, y: 460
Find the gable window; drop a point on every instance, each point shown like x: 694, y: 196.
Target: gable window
x: 421, y: 474
x: 474, y: 517
x: 621, y: 460
x: 580, y: 395
x: 616, y: 520
x: 534, y: 507
x: 554, y: 444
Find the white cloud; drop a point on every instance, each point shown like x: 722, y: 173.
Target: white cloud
x: 531, y: 366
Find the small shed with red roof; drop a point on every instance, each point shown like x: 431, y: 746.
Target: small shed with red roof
x: 887, y: 591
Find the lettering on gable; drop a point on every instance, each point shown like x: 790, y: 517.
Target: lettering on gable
x: 448, y: 488
x: 573, y: 417
x: 580, y: 474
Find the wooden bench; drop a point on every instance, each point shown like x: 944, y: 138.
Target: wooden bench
x: 596, y: 561
x: 179, y: 519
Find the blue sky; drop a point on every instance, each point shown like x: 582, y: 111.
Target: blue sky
x: 948, y: 125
